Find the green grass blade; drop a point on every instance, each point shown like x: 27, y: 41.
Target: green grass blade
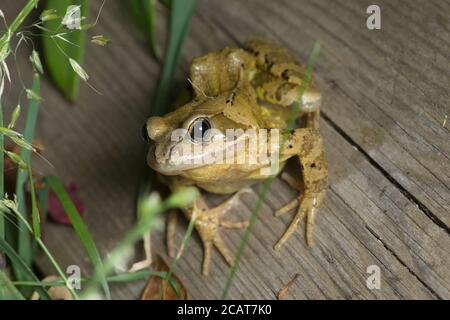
x: 181, y: 12
x: 2, y: 183
x: 148, y: 211
x: 253, y: 217
x: 166, y: 3
x: 43, y: 201
x: 81, y: 229
x: 12, y: 208
x: 24, y: 247
x: 184, y: 242
x: 6, y: 283
x: 43, y: 284
x: 22, y: 265
x: 2, y: 192
x: 58, y: 51
x: 119, y: 278
x: 31, y: 4
x: 57, y: 266
x: 7, y: 35
x: 131, y: 276
x: 144, y: 13
x: 34, y: 208
x: 295, y: 109
x: 42, y: 195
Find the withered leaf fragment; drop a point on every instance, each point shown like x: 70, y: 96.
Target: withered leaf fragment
x: 282, y: 293
x: 55, y: 292
x: 158, y: 288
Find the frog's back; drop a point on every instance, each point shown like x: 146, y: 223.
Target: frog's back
x: 277, y: 82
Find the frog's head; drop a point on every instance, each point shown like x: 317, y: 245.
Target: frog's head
x: 192, y: 135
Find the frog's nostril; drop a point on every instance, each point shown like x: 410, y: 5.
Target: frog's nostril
x: 144, y: 133
x: 156, y: 127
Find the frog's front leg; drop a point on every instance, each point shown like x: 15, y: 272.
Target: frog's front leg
x: 208, y: 222
x: 306, y: 144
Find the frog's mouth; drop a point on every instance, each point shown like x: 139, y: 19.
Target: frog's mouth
x: 163, y: 166
x: 175, y: 157
x: 171, y: 162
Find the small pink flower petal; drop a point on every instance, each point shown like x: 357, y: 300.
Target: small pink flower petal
x: 55, y: 210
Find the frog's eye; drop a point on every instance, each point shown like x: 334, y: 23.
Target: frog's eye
x: 198, y: 129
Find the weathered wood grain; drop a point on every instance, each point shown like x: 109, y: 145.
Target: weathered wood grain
x: 385, y: 99
x: 393, y: 81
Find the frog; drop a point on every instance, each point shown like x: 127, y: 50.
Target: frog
x: 248, y: 88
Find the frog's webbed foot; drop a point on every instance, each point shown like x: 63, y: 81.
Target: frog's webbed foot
x: 308, y: 205
x: 209, y: 222
x: 306, y: 145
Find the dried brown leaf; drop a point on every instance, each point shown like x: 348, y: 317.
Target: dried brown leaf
x: 158, y: 288
x: 55, y: 293
x: 282, y: 293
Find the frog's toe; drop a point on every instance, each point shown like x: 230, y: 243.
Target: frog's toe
x: 140, y: 265
x: 209, y: 222
x: 290, y: 230
x: 206, y: 257
x: 310, y: 217
x: 219, y: 243
x: 309, y: 206
x: 286, y: 208
x: 294, y: 183
x: 223, y: 249
x: 234, y: 224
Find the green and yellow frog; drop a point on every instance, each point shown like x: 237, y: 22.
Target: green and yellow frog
x: 241, y: 90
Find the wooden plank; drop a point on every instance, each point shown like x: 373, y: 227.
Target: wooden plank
x: 388, y: 198
x: 394, y: 82
x: 363, y: 222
